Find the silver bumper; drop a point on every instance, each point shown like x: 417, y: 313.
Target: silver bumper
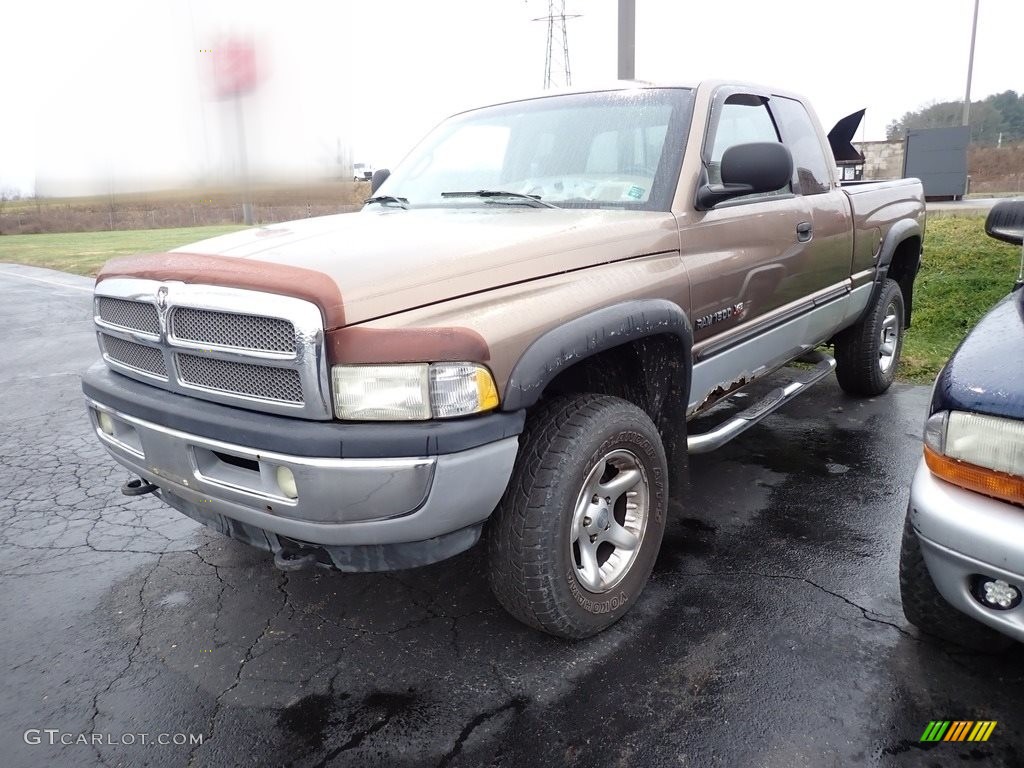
x: 962, y: 534
x: 340, y: 501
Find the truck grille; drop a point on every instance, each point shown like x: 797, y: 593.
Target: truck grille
x: 212, y: 347
x: 130, y: 314
x: 253, y: 380
x: 226, y: 329
x: 137, y: 356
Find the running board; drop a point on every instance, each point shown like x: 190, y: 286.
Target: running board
x: 768, y: 404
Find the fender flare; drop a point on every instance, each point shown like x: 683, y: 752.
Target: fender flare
x: 592, y: 333
x: 898, y: 233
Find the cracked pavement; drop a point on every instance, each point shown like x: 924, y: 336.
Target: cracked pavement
x: 770, y: 634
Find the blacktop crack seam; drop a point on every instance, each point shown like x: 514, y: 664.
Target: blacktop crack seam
x: 516, y: 704
x: 249, y: 655
x: 131, y: 655
x: 868, y: 614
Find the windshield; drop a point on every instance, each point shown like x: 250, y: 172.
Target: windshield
x: 617, y: 149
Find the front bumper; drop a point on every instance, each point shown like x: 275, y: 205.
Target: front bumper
x: 965, y: 534
x: 348, y: 496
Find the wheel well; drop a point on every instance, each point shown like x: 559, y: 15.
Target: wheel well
x: 903, y: 269
x: 652, y: 373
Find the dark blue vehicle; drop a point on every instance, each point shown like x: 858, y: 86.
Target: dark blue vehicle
x: 962, y: 559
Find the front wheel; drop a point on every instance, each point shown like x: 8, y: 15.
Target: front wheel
x: 867, y: 353
x: 577, y: 532
x: 928, y: 610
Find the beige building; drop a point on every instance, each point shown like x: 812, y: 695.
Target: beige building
x: 882, y: 159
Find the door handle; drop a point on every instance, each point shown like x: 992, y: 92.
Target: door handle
x: 804, y: 231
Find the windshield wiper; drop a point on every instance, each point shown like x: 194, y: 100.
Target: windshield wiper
x: 400, y: 201
x: 532, y: 200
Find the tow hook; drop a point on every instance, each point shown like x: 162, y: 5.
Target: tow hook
x: 138, y: 487
x: 294, y: 561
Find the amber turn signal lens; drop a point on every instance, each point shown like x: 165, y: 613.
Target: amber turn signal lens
x: 999, y: 485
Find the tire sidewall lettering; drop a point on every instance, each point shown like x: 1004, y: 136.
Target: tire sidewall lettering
x: 608, y: 605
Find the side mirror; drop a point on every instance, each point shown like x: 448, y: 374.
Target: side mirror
x: 1006, y: 221
x: 764, y: 166
x: 378, y: 178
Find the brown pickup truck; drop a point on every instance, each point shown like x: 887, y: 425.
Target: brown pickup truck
x: 508, y: 339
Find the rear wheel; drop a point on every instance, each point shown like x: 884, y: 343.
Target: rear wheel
x: 575, y: 537
x: 868, y: 353
x: 928, y: 610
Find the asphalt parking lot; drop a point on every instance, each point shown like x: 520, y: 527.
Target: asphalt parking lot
x: 770, y: 635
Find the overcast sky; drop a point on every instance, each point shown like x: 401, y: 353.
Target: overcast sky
x: 104, y: 95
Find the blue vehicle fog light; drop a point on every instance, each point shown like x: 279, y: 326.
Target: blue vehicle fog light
x: 995, y: 593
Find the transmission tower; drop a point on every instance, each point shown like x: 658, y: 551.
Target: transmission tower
x: 556, y: 63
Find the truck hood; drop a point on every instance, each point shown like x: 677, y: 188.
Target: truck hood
x: 986, y: 372
x: 384, y: 261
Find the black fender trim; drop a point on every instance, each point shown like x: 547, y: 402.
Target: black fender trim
x: 590, y: 334
x: 897, y: 234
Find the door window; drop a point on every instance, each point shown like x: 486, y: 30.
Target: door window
x: 742, y: 119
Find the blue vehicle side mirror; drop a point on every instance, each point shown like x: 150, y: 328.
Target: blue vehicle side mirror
x: 1006, y: 221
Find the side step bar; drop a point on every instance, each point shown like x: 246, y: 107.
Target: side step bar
x: 768, y: 404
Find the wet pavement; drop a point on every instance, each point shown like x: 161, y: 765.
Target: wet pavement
x: 770, y: 634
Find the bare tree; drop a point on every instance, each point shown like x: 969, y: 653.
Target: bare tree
x: 6, y: 193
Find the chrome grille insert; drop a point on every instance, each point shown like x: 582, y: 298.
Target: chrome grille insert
x: 244, y: 348
x: 134, y: 315
x: 227, y: 329
x: 261, y: 381
x: 137, y: 356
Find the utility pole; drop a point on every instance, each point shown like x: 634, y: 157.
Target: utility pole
x: 627, y: 39
x: 556, y: 19
x: 970, y: 66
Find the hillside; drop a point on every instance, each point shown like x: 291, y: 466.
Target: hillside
x: 996, y: 170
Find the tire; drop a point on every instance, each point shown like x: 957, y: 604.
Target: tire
x: 928, y: 610
x: 551, y: 563
x: 868, y: 353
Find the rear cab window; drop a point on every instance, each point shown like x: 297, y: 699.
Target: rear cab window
x: 811, y: 175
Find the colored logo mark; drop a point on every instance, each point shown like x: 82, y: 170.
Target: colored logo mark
x: 958, y: 730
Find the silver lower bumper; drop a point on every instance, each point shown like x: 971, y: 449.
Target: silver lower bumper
x: 964, y: 534
x: 340, y: 501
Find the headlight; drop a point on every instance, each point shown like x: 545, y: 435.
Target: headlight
x: 981, y: 453
x: 457, y: 389
x: 412, y: 391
